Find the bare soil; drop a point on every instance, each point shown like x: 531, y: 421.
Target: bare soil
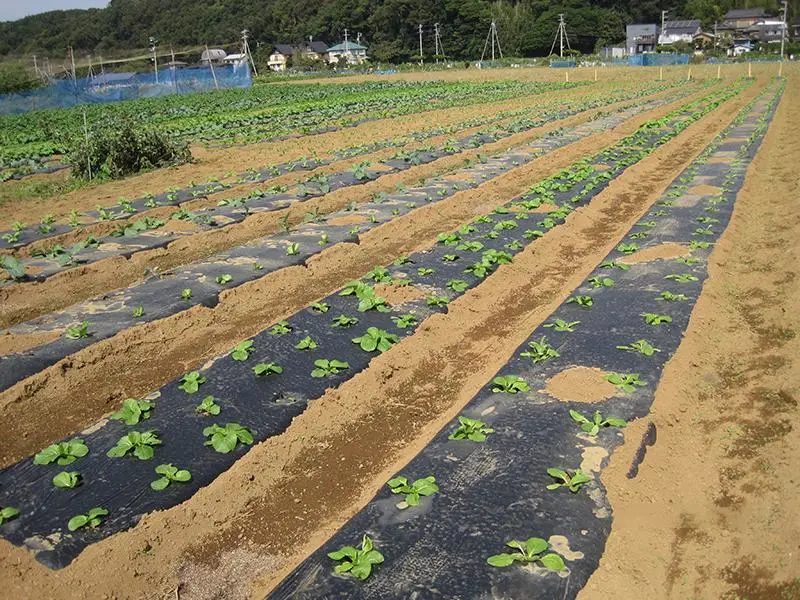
x: 580, y: 384
x: 274, y: 506
x: 665, y: 251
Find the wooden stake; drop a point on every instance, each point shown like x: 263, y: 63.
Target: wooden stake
x: 595, y: 74
x: 661, y: 73
x: 689, y: 74
x: 567, y: 75
x: 719, y: 68
x: 749, y: 69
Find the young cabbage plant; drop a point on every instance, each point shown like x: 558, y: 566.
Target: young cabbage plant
x: 561, y: 325
x: 225, y: 439
x: 292, y: 249
x: 437, y: 301
x: 570, y: 480
x: 404, y: 321
x: 670, y: 297
x: 7, y: 513
x: 425, y: 486
x: 138, y: 312
x: 78, y: 332
x: 307, y: 343
x: 655, y: 319
x: 601, y: 282
x: 63, y: 453
x: 267, y: 369
x: 91, y: 519
x: 14, y: 268
x: 582, y: 301
x: 140, y: 443
x: 640, y: 346
x: 627, y: 248
x: 530, y: 551
x: 681, y: 277
x: 208, y: 407
x: 326, y: 368
x: 319, y: 307
x: 191, y: 382
x: 242, y: 350
x: 280, y: 328
x: 344, y: 321
x: 355, y: 562
x: 423, y: 271
x: 613, y: 264
x: 473, y: 430
x: 597, y: 423
x: 133, y: 411
x: 627, y: 382
x: 376, y: 339
x: 224, y: 278
x: 186, y: 294
x: 510, y: 384
x: 540, y: 351
x: 67, y: 479
x: 169, y: 473
x: 457, y: 285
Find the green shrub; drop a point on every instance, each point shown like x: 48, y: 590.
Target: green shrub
x: 124, y: 150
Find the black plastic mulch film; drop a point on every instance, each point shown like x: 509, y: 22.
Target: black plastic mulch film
x: 495, y: 491
x: 160, y: 296
x: 267, y: 404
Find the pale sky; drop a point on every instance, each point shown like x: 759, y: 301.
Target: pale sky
x: 11, y: 10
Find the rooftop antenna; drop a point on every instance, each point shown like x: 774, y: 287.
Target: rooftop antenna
x: 494, y: 39
x: 153, y: 46
x: 420, y: 43
x: 561, y: 37
x: 437, y: 38
x: 246, y: 50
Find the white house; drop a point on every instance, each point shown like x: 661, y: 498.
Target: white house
x: 679, y: 31
x: 354, y: 53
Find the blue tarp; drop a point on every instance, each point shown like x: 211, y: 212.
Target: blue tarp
x: 113, y: 87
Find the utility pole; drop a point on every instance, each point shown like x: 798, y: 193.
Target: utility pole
x: 438, y: 41
x: 783, y: 30
x: 715, y: 35
x: 211, y: 64
x: 246, y: 49
x: 153, y: 45
x: 663, y: 23
x: 561, y: 37
x: 495, y: 40
x: 420, y: 43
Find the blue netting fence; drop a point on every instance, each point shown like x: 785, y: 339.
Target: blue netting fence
x: 658, y: 60
x: 113, y: 87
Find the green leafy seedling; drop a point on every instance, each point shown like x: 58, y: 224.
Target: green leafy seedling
x: 14, y: 268
x: 243, y: 350
x: 186, y: 294
x: 540, y: 351
x: 423, y: 271
x: 208, y: 407
x: 306, y: 344
x: 292, y: 249
x: 140, y: 443
x: 425, y: 486
x: 67, y: 479
x: 191, y: 382
x: 600, y: 282
x: 225, y: 439
x: 473, y: 430
x: 326, y: 368
x: 169, y: 473
x: 91, y: 519
x: 319, y: 307
x: 280, y: 328
x: 404, y: 321
x: 224, y: 278
x: 344, y: 321
x: 510, y: 384
x: 627, y: 248
x: 267, y: 369
x: 530, y: 551
x: 612, y: 264
x: 640, y: 346
x: 561, y: 325
x: 626, y: 382
x: 582, y: 301
x: 7, y: 513
x: 457, y: 285
x: 597, y: 423
x: 570, y: 480
x: 355, y: 562
x: 133, y: 411
x: 376, y: 339
x: 681, y: 277
x: 656, y: 319
x: 670, y: 297
x: 138, y: 312
x: 63, y: 453
x: 78, y: 332
x: 438, y: 301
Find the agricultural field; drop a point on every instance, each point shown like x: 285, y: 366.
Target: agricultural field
x: 495, y: 334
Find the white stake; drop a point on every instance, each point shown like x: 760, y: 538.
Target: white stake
x: 661, y: 73
x: 595, y: 74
